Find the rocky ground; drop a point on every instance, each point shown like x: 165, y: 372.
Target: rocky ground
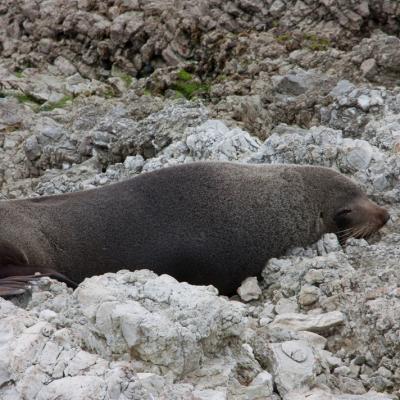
x: 92, y: 92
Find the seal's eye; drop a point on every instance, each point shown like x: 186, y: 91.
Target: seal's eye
x: 343, y: 212
x: 341, y: 216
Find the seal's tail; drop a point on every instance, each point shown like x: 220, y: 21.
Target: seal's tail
x: 15, y: 279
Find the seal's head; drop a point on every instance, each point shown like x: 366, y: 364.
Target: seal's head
x: 344, y: 207
x: 359, y: 218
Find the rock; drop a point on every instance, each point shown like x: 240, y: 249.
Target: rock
x: 318, y: 394
x: 332, y: 361
x: 83, y: 387
x: 134, y: 163
x: 65, y: 66
x: 343, y: 88
x: 33, y: 149
x: 249, y: 289
x: 357, y: 154
x: 343, y: 370
x: 292, y: 365
x: 265, y: 381
x: 315, y: 340
x: 214, y: 140
x: 63, y: 363
x: 208, y: 394
x: 369, y: 68
x: 309, y: 295
x: 351, y: 385
x: 313, y: 323
x: 364, y: 102
x: 135, y: 320
x: 329, y: 243
x: 284, y: 306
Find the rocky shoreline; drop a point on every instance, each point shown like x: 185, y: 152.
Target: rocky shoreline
x: 95, y: 92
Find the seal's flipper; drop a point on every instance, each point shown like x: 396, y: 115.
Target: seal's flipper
x: 7, y: 291
x: 14, y: 279
x: 15, y: 285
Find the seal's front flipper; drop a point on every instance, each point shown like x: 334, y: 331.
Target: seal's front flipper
x: 15, y: 285
x: 11, y: 290
x: 15, y: 279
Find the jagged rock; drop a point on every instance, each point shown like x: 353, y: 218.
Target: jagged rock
x: 149, y: 330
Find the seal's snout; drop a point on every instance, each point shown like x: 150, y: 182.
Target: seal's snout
x: 379, y: 215
x: 360, y: 219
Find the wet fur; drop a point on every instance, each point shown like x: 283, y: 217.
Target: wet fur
x: 205, y: 223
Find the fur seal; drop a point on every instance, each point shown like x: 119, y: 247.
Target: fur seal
x: 204, y: 223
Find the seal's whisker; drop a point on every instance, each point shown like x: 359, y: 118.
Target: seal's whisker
x: 344, y: 230
x: 365, y: 230
x: 371, y: 229
x: 353, y: 231
x: 346, y: 236
x: 359, y: 231
x: 345, y: 233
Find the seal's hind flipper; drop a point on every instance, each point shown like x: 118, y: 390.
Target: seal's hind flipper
x: 14, y: 279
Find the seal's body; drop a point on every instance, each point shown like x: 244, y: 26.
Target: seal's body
x: 204, y: 223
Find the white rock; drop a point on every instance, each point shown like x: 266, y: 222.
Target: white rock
x: 364, y: 102
x: 313, y: 323
x: 331, y: 360
x: 74, y: 388
x: 214, y: 140
x: 315, y: 340
x: 249, y: 289
x: 284, y: 306
x: 208, y: 394
x: 48, y: 315
x: 308, y: 295
x: 357, y: 154
x: 318, y: 394
x: 154, y: 317
x: 293, y: 365
x: 327, y: 244
x: 134, y: 163
x: 265, y: 379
